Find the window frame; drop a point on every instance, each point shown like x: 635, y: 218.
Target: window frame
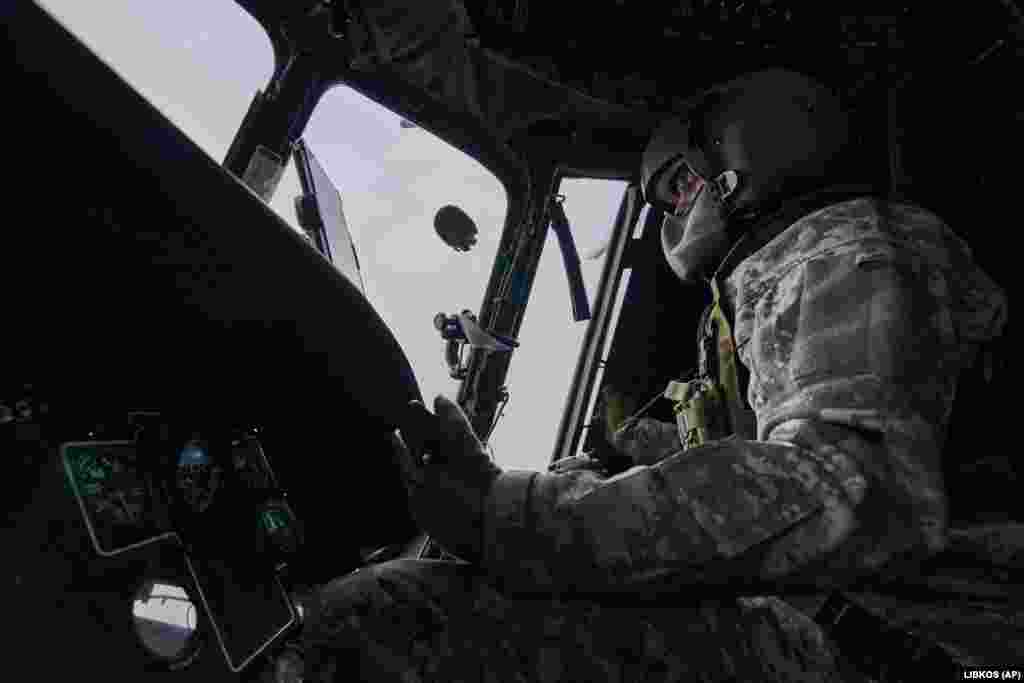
x: 596, y: 341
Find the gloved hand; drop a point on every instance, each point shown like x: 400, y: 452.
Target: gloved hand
x: 617, y: 409
x: 578, y: 463
x: 447, y: 488
x: 643, y: 440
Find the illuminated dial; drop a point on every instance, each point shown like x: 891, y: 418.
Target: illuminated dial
x: 112, y: 488
x: 198, y: 477
x: 280, y: 526
x: 112, y: 493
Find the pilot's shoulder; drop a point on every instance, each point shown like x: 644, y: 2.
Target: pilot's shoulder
x: 853, y: 222
x: 839, y: 226
x: 848, y: 225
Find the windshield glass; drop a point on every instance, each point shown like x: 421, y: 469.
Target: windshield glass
x: 392, y: 179
x: 542, y: 370
x: 200, y: 63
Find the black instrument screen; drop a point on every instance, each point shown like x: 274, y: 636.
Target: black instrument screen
x: 247, y: 611
x: 251, y: 467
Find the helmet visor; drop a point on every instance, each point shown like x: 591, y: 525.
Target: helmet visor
x: 677, y: 188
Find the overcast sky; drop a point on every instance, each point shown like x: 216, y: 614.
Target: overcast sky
x: 201, y: 61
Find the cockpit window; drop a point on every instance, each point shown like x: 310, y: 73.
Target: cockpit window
x: 542, y: 369
x: 199, y: 63
x: 392, y: 179
x: 199, y: 66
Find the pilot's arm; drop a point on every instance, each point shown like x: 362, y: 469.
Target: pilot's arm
x: 845, y: 475
x: 854, y: 357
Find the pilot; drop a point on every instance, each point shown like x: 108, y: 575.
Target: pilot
x: 847, y: 316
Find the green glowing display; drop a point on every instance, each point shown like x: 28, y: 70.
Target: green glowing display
x: 111, y: 492
x: 274, y: 519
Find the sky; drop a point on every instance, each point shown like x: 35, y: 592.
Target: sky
x: 201, y: 61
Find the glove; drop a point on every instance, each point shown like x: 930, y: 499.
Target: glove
x: 449, y: 482
x: 643, y: 440
x: 578, y: 463
x: 617, y: 410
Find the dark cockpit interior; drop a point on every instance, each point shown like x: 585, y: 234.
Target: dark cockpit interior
x: 150, y: 298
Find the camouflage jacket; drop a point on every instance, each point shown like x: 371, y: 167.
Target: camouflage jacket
x: 854, y: 323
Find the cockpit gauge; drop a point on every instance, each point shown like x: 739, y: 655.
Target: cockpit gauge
x: 198, y: 476
x: 250, y: 466
x: 112, y: 493
x: 281, y: 527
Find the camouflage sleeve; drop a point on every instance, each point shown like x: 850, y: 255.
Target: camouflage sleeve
x: 853, y: 361
x: 681, y: 516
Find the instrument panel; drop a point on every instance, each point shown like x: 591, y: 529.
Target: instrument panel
x: 211, y: 495
x: 133, y: 492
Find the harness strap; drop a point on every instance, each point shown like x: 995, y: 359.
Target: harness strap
x: 742, y: 421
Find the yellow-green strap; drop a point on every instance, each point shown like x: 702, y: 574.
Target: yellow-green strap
x: 741, y: 420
